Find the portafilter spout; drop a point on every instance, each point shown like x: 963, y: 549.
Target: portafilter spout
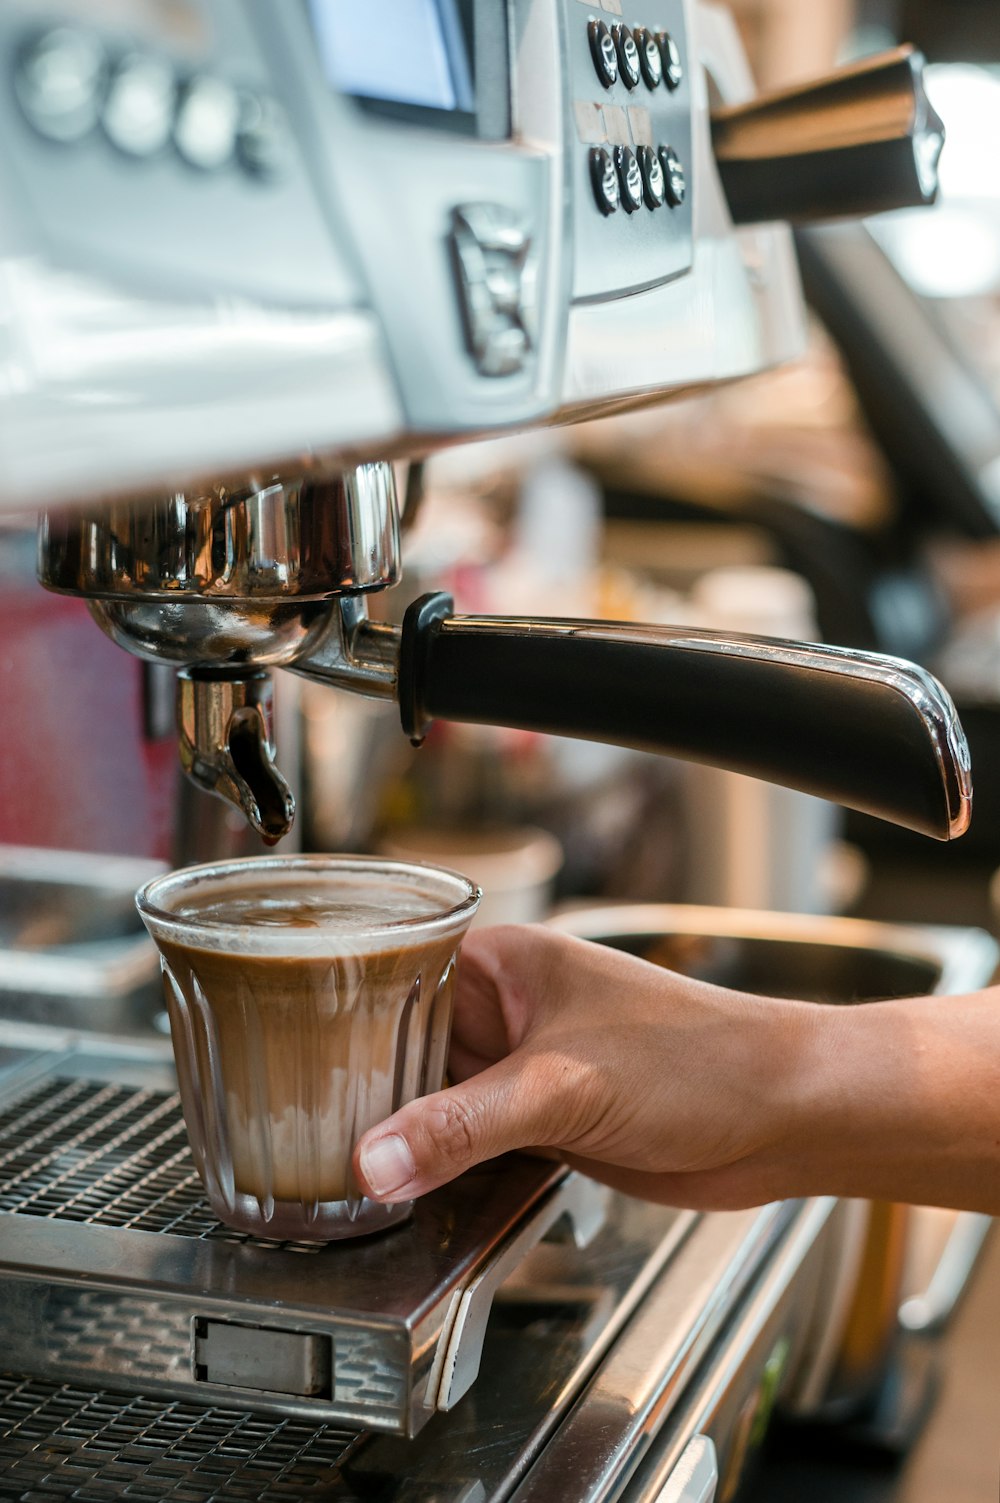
x: 225, y: 583
x: 226, y: 746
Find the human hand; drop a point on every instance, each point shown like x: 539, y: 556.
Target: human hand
x: 664, y: 1087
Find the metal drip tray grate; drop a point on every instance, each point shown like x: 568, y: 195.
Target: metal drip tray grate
x: 62, y: 1442
x: 108, y: 1245
x: 109, y: 1155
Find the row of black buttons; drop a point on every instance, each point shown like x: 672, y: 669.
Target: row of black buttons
x: 67, y: 85
x: 628, y: 179
x: 652, y: 56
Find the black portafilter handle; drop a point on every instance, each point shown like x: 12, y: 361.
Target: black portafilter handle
x: 864, y: 139
x: 873, y: 733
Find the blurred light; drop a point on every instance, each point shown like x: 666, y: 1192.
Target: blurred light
x: 968, y: 100
x: 949, y: 252
x: 953, y: 250
x: 989, y: 480
x: 866, y: 40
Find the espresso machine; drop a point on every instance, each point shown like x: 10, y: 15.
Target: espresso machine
x: 252, y: 256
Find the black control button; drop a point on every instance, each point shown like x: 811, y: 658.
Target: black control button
x: 650, y: 60
x: 629, y: 179
x: 602, y: 49
x: 59, y: 82
x: 670, y: 54
x: 264, y: 142
x: 604, y: 177
x: 674, y: 181
x: 654, y: 184
x: 628, y: 55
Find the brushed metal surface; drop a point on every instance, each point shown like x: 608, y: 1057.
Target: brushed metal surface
x: 541, y: 1354
x: 733, y: 1395
x: 60, y: 1441
x: 291, y: 539
x: 695, y: 1477
x: 72, y: 950
x: 645, y: 1377
x: 837, y: 959
x: 90, y: 1169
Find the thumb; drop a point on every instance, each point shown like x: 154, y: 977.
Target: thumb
x: 438, y: 1137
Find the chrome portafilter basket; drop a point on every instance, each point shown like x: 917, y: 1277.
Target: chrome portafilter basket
x: 227, y: 584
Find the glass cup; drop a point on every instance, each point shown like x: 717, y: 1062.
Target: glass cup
x: 309, y: 998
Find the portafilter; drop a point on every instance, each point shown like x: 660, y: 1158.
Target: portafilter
x: 235, y: 581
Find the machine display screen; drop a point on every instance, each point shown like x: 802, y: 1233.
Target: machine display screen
x: 415, y: 53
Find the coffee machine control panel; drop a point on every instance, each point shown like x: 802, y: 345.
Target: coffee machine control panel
x: 632, y: 169
x: 263, y: 231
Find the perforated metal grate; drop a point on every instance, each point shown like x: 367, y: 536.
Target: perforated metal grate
x: 112, y: 1155
x: 59, y: 1441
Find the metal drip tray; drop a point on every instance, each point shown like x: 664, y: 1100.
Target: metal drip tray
x: 62, y: 1442
x: 833, y: 960
x: 114, y: 1270
x: 108, y: 1155
x: 588, y: 1355
x: 73, y: 952
x: 154, y: 1354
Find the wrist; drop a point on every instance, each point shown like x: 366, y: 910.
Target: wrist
x: 898, y: 1101
x: 850, y: 1108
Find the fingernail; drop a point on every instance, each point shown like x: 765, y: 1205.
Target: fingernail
x: 387, y: 1164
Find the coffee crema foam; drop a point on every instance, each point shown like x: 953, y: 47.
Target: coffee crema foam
x: 342, y: 906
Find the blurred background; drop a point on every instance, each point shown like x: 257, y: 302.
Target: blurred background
x: 853, y: 498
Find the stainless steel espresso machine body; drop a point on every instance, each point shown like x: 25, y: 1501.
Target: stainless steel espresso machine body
x: 331, y: 244
x: 250, y: 253
x: 511, y: 203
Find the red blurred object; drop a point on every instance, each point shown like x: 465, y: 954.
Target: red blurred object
x: 77, y: 771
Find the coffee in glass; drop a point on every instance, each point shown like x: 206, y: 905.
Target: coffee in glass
x: 309, y: 998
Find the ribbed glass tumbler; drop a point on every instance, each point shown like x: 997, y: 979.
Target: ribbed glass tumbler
x: 309, y: 998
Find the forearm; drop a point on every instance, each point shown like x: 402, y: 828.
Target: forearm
x: 898, y: 1101
x: 690, y: 1094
